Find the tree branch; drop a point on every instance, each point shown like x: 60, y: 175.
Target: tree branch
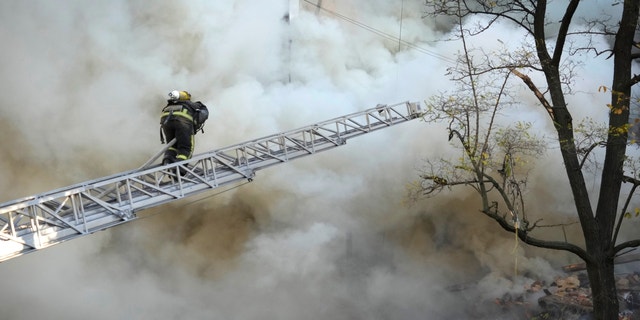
x: 527, y: 80
x: 554, y: 245
x: 634, y: 80
x: 636, y: 183
x: 562, y: 32
x: 627, y: 244
x: 588, y: 150
x: 523, y: 234
x: 517, y: 10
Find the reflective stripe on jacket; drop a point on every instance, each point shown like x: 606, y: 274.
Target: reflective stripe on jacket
x: 177, y: 110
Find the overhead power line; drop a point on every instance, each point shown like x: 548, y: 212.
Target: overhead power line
x: 383, y: 34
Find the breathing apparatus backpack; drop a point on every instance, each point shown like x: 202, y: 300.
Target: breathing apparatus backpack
x: 201, y: 116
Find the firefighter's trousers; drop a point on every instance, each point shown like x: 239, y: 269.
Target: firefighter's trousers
x: 181, y: 129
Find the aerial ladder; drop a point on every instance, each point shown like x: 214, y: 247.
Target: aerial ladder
x: 40, y: 221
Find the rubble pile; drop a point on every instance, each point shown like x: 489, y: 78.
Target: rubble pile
x: 569, y: 297
x: 568, y: 294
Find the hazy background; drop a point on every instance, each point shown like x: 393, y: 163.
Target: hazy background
x: 325, y: 237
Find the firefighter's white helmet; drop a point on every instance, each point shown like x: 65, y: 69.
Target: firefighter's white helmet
x: 179, y: 95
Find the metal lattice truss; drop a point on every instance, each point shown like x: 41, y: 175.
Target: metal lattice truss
x: 40, y: 221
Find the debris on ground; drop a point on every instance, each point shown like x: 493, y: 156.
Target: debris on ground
x: 569, y: 297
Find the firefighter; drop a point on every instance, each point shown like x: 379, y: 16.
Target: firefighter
x: 181, y: 119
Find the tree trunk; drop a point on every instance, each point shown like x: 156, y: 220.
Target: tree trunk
x: 600, y: 245
x: 603, y: 288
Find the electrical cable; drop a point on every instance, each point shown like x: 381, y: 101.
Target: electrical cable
x: 384, y: 34
x: 401, y: 20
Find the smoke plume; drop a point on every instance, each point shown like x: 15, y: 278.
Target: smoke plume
x: 324, y: 237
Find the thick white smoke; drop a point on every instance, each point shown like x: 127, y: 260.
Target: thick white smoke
x: 325, y: 237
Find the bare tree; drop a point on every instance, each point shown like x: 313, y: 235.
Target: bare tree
x: 494, y: 157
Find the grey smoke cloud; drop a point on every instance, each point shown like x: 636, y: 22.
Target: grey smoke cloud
x: 322, y: 237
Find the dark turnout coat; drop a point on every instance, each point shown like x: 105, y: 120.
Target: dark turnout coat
x: 181, y: 120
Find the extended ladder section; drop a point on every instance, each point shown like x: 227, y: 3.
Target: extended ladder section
x: 46, y: 219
